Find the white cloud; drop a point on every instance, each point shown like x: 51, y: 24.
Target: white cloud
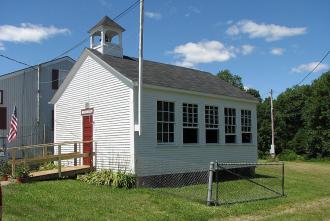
x: 153, y: 15
x: 270, y: 32
x: 2, y: 47
x: 277, y: 51
x: 309, y: 67
x: 191, y: 54
x: 247, y: 49
x: 192, y: 9
x: 27, y: 32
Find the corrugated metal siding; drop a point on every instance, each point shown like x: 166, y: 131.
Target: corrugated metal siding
x: 113, y: 115
x: 21, y: 90
x: 154, y: 159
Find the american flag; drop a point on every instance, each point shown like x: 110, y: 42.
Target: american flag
x: 13, y: 126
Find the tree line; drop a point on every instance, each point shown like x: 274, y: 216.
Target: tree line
x: 301, y: 115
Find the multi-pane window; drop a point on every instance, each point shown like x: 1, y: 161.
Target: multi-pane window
x: 3, y: 118
x: 246, y: 126
x: 55, y: 79
x: 230, y: 125
x: 165, y: 122
x: 190, y: 123
x: 211, y: 124
x: 1, y: 96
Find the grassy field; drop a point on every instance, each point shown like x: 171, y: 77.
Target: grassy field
x: 307, y: 185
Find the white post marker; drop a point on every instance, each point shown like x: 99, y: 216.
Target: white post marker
x: 272, y: 147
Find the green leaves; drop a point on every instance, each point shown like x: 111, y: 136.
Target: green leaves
x: 118, y: 179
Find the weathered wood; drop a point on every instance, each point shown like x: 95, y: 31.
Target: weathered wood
x: 49, y: 158
x: 13, y: 163
x: 45, y: 145
x: 75, y: 150
x: 59, y: 161
x: 53, y: 174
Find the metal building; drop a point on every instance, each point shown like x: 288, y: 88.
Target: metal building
x: 30, y: 90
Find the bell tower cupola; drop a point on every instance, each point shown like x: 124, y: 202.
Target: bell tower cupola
x: 106, y: 37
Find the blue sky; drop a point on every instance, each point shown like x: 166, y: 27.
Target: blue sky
x: 270, y: 44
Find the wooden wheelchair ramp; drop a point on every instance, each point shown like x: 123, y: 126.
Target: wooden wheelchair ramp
x: 69, y: 157
x: 70, y: 171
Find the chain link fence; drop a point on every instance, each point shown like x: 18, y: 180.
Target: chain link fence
x: 222, y: 183
x: 244, y: 182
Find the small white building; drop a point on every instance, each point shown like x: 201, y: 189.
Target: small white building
x: 189, y: 117
x: 30, y: 90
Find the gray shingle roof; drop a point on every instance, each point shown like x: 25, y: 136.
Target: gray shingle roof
x: 166, y: 75
x: 106, y: 21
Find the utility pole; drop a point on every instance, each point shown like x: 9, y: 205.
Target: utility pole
x: 272, y: 147
x: 140, y: 63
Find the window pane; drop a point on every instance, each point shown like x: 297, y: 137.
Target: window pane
x: 230, y: 138
x: 159, y: 137
x: 212, y: 136
x: 159, y: 116
x: 171, y: 137
x: 246, y: 137
x: 190, y: 135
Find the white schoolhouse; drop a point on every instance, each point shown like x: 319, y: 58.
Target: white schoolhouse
x: 189, y: 117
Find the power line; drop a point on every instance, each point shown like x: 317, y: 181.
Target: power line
x: 314, y: 67
x: 17, y: 61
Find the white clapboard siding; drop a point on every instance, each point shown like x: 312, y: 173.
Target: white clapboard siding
x: 153, y: 159
x: 113, y: 114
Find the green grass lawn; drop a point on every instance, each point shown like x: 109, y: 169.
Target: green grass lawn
x: 307, y: 185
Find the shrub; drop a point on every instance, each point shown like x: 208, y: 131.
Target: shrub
x: 109, y: 178
x: 287, y: 155
x: 5, y: 169
x: 22, y: 171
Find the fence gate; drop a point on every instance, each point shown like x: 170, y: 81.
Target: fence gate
x: 242, y: 182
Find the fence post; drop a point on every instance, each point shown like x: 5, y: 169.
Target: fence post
x: 75, y: 150
x: 217, y: 182
x: 209, y: 190
x: 95, y: 162
x: 59, y: 161
x: 282, y: 178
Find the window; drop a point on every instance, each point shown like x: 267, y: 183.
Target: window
x: 190, y: 123
x: 230, y: 125
x: 165, y: 122
x: 1, y: 96
x: 211, y: 124
x: 55, y: 78
x: 53, y: 120
x: 3, y: 118
x: 246, y: 126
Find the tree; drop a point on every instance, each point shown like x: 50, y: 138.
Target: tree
x: 317, y: 117
x: 232, y: 79
x: 264, y: 126
x: 254, y: 93
x: 289, y: 107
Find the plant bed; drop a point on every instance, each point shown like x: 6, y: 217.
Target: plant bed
x: 22, y: 174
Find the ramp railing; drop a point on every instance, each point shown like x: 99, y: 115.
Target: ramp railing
x: 51, y: 152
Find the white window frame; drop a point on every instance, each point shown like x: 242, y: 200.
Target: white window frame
x: 162, y: 121
x: 190, y: 124
x: 211, y: 115
x: 246, y: 124
x: 230, y: 123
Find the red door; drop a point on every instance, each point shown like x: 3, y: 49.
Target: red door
x: 87, y: 136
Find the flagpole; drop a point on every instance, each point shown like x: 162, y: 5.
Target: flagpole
x: 140, y: 64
